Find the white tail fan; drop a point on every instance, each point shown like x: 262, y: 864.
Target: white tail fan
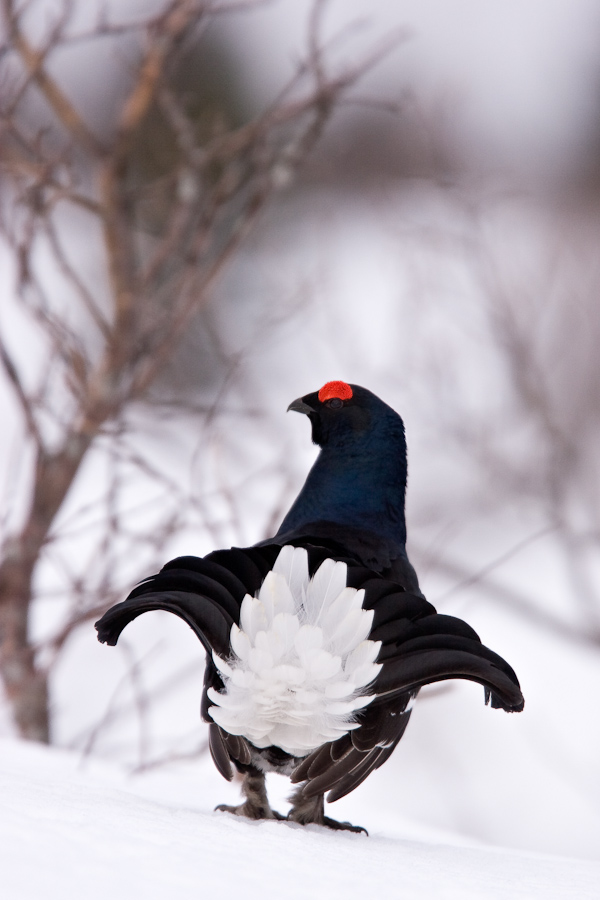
x: 300, y: 658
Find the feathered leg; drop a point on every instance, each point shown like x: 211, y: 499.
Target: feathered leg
x: 255, y: 792
x: 311, y: 811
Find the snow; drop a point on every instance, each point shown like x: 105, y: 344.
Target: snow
x: 69, y: 829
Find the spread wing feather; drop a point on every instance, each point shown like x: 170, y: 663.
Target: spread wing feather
x: 205, y: 592
x: 418, y: 647
x: 208, y: 620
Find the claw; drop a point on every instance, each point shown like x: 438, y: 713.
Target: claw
x: 343, y: 826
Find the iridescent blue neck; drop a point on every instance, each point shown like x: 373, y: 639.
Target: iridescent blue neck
x: 361, y: 485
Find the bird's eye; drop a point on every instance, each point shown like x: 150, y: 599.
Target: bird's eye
x: 335, y: 403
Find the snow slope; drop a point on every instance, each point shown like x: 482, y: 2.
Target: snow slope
x: 68, y: 830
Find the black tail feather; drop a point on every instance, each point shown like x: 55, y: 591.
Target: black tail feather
x: 218, y: 752
x: 435, y: 647
x: 427, y: 666
x: 205, y: 592
x: 418, y: 647
x: 208, y: 620
x: 373, y: 761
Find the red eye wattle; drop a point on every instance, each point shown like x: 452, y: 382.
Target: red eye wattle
x: 335, y: 389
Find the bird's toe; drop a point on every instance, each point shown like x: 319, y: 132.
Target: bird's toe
x: 343, y: 826
x: 250, y: 811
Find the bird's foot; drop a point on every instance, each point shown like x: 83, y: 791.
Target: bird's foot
x: 326, y: 822
x: 311, y: 811
x: 250, y: 811
x: 256, y: 805
x: 343, y: 826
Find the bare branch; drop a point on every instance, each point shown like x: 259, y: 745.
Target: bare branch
x: 56, y: 98
x: 71, y: 274
x: 27, y: 407
x: 519, y: 604
x: 482, y: 573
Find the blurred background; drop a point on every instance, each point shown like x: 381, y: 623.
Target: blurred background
x: 435, y: 240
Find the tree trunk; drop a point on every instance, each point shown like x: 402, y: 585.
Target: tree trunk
x: 25, y: 684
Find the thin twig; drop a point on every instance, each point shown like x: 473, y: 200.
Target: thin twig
x: 21, y: 394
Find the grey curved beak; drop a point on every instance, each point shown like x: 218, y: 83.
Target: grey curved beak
x: 300, y: 406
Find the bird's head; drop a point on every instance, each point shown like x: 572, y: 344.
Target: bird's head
x: 344, y: 414
x: 359, y: 478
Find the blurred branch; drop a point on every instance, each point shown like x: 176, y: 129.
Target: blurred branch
x: 34, y: 61
x: 517, y: 325
x: 482, y: 573
x: 22, y: 395
x: 519, y: 603
x: 169, y: 758
x: 117, y: 709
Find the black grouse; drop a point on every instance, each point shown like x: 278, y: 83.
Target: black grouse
x: 319, y: 639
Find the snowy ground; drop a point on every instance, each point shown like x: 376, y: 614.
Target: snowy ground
x: 69, y: 829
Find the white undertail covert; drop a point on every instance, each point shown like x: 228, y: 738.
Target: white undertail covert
x: 301, y: 659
